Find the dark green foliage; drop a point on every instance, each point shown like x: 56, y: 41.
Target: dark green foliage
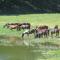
x: 26, y: 6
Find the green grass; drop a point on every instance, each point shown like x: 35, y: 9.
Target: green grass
x: 41, y: 49
x: 35, y: 19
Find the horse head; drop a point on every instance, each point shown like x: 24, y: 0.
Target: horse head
x: 6, y: 25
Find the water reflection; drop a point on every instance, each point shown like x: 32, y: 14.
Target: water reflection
x: 22, y: 52
x: 19, y: 53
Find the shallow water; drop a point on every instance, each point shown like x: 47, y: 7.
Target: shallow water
x: 14, y: 48
x: 19, y: 53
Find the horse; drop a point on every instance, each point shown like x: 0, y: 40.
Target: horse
x: 43, y: 27
x: 54, y: 31
x: 25, y: 26
x: 56, y: 27
x: 28, y: 32
x: 6, y: 25
x: 12, y: 26
x: 17, y: 26
x: 42, y: 31
x: 38, y: 33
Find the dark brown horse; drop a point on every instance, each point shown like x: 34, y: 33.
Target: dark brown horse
x: 43, y: 27
x: 42, y: 31
x: 25, y: 25
x: 55, y: 31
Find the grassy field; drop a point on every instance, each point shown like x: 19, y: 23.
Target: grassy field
x: 12, y: 47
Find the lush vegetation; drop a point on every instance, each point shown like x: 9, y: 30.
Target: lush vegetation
x: 29, y: 6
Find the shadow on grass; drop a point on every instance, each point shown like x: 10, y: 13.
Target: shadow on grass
x: 25, y: 13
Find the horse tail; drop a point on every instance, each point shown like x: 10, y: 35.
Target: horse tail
x: 48, y: 32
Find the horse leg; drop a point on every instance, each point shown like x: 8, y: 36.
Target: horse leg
x: 48, y: 33
x: 18, y: 28
x: 41, y: 35
x: 45, y: 35
x: 57, y: 34
x: 22, y: 35
x: 52, y: 34
x: 36, y: 36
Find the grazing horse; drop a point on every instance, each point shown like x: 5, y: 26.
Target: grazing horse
x: 25, y: 26
x: 12, y: 26
x: 43, y: 27
x: 54, y: 31
x: 42, y: 31
x: 18, y: 26
x: 6, y: 25
x: 38, y: 33
x: 32, y: 31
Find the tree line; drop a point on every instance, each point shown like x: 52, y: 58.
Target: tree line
x: 29, y: 6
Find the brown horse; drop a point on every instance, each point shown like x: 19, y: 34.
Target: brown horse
x: 17, y: 26
x: 54, y: 32
x: 43, y: 27
x: 12, y: 26
x: 42, y: 31
x: 25, y: 25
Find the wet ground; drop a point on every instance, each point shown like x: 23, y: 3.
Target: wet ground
x: 15, y: 48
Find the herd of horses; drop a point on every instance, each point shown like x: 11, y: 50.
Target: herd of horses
x: 38, y: 31
x: 17, y: 26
